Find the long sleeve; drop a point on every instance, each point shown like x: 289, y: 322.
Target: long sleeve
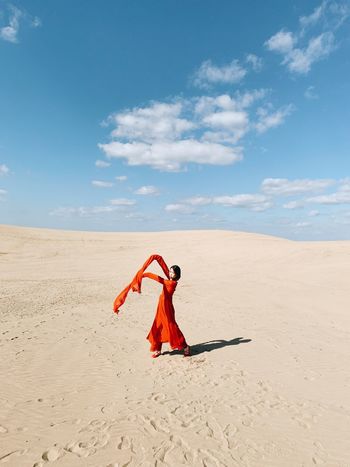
x: 135, y: 284
x: 154, y: 277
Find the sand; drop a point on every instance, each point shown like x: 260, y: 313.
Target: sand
x: 268, y: 319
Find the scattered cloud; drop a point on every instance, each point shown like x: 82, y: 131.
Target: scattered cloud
x: 82, y: 211
x: 318, y: 48
x: 314, y: 213
x: 101, y: 184
x: 340, y: 197
x: 268, y: 119
x: 171, y: 155
x: 300, y: 52
x: 344, y: 184
x: 281, y: 42
x: 160, y: 121
x: 311, y: 93
x: 179, y: 208
x: 2, y: 194
x: 147, y: 190
x: 4, y: 170
x: 225, y: 119
x: 198, y: 201
x: 303, y: 224
x: 294, y: 205
x: 102, y: 164
x: 10, y: 32
x: 201, y: 130
x: 122, y: 202
x: 285, y: 187
x: 121, y: 178
x: 209, y: 74
x: 328, y: 14
x: 36, y: 22
x: 314, y: 17
x: 255, y: 62
x: 255, y: 202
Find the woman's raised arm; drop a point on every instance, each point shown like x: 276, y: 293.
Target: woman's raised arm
x: 161, y: 263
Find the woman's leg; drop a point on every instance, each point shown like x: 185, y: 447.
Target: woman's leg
x: 156, y: 348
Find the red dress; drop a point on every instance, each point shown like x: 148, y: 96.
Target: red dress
x: 164, y: 328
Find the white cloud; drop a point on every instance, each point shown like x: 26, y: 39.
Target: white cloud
x: 205, y: 105
x: 255, y: 62
x: 10, y: 32
x: 147, y: 190
x: 300, y: 52
x: 101, y: 184
x: 121, y: 178
x: 285, y: 187
x: 293, y: 205
x: 228, y: 126
x: 170, y: 156
x: 36, y: 22
x: 270, y: 120
x: 122, y: 202
x: 255, y: 202
x: 159, y: 121
x: 102, y: 164
x: 314, y: 213
x: 338, y: 14
x: 83, y: 211
x: 4, y: 170
x: 282, y: 42
x: 328, y: 14
x: 340, y: 197
x: 198, y: 201
x: 311, y: 93
x: 303, y: 224
x: 314, y: 17
x: 318, y: 48
x: 344, y: 185
x: 225, y: 119
x: 209, y: 74
x: 179, y: 208
x: 203, y: 130
x: 2, y: 193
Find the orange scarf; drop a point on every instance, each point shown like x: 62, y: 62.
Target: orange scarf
x: 135, y: 284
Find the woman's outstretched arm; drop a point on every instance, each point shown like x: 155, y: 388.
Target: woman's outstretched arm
x: 150, y: 275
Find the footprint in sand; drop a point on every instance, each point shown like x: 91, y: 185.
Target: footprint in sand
x: 124, y: 443
x: 321, y: 456
x: 52, y: 454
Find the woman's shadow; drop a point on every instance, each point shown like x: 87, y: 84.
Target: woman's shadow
x: 209, y: 346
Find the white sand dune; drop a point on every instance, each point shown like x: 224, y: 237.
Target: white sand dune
x: 268, y: 384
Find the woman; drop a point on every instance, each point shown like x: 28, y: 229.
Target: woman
x: 164, y: 328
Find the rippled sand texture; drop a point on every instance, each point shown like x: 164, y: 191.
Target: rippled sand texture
x: 268, y: 384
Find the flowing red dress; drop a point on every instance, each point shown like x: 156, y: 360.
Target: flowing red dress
x: 164, y: 327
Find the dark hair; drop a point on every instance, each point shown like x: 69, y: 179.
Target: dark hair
x: 177, y: 271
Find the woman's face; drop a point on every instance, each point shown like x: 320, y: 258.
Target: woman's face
x: 172, y: 274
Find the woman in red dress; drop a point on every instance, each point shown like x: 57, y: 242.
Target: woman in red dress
x: 164, y: 328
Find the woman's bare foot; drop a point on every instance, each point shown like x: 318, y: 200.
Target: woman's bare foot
x: 156, y: 354
x: 187, y: 351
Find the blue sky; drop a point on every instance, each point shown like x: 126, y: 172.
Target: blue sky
x: 165, y: 115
